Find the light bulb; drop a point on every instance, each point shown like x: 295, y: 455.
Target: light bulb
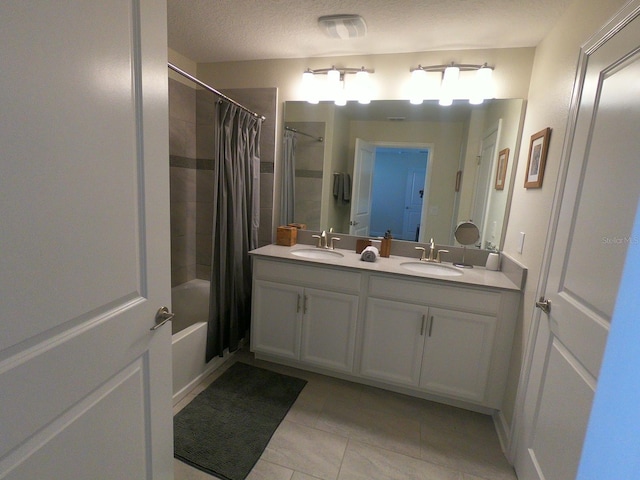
x: 333, y: 77
x: 449, y: 85
x: 341, y: 96
x: 481, y: 86
x: 418, y: 83
x: 364, y: 87
x: 309, y: 89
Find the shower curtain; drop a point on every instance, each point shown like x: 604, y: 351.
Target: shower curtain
x: 236, y: 213
x: 287, y: 209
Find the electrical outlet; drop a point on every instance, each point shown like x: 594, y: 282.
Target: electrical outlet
x: 521, y: 242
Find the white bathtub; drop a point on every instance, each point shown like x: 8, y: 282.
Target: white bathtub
x: 190, y: 303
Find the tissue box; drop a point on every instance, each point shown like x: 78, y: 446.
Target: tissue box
x: 286, y: 236
x: 299, y: 226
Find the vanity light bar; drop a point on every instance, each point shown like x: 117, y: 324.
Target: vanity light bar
x: 336, y: 84
x: 481, y: 88
x: 342, y: 71
x: 464, y: 67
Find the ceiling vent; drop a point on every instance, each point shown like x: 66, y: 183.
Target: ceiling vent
x: 343, y: 26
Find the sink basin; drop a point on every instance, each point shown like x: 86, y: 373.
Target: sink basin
x: 432, y: 268
x: 317, y: 253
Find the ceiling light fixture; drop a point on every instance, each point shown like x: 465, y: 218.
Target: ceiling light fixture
x: 344, y: 27
x: 336, y: 85
x: 479, y: 89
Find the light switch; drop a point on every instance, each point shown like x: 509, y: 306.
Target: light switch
x: 521, y: 242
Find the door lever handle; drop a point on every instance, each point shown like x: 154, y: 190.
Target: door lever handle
x: 163, y: 315
x: 544, y: 305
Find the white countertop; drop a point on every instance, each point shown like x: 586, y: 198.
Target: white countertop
x: 470, y: 276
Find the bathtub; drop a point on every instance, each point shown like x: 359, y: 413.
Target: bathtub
x: 190, y: 303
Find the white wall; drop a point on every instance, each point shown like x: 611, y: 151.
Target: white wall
x: 552, y: 80
x: 184, y: 64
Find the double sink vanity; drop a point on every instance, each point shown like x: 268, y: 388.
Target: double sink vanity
x: 430, y: 330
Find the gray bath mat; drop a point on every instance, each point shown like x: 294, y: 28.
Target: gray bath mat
x: 225, y: 429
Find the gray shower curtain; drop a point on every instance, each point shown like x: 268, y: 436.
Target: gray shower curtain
x: 236, y: 213
x: 287, y: 196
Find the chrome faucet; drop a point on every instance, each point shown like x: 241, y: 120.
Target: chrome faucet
x: 328, y: 242
x: 432, y: 250
x: 322, y: 239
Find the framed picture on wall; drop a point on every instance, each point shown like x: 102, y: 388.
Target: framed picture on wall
x: 537, y: 158
x: 501, y: 170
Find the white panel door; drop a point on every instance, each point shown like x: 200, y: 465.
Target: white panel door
x: 84, y: 257
x: 393, y: 341
x: 483, y: 178
x: 329, y: 329
x: 595, y: 219
x: 360, y: 218
x: 277, y: 308
x: 413, y: 203
x: 457, y: 353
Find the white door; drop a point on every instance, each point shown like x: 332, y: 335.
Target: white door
x: 84, y: 259
x: 586, y: 254
x: 483, y: 178
x: 329, y: 329
x: 393, y: 341
x: 278, y: 310
x: 364, y: 159
x: 457, y: 353
x: 414, y: 199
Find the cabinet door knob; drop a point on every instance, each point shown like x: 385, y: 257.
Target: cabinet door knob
x: 298, y: 307
x: 424, y: 317
x: 430, y: 324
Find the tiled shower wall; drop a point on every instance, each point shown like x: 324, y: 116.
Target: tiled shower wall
x: 309, y: 164
x: 182, y: 162
x: 191, y: 160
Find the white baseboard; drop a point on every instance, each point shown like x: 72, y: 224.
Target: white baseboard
x: 504, y: 432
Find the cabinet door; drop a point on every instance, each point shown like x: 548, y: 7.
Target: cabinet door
x: 329, y: 329
x: 393, y: 341
x: 277, y: 313
x: 457, y: 353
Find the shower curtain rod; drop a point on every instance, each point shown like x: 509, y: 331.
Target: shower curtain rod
x: 320, y: 139
x: 213, y: 90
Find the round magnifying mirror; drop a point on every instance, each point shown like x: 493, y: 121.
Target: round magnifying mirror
x: 466, y: 233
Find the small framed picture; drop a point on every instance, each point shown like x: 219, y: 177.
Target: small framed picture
x: 501, y: 170
x: 537, y: 158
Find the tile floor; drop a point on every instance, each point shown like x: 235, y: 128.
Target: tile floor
x: 339, y: 430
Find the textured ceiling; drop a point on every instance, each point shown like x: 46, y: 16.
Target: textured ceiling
x: 232, y: 30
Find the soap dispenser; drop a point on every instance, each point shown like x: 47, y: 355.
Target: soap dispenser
x: 385, y: 245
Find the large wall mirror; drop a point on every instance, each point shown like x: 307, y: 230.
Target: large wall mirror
x: 417, y: 170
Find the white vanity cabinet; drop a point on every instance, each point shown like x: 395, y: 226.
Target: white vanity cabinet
x: 443, y: 351
x: 305, y: 314
x: 393, y: 341
x: 444, y: 340
x: 276, y: 318
x: 457, y: 354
